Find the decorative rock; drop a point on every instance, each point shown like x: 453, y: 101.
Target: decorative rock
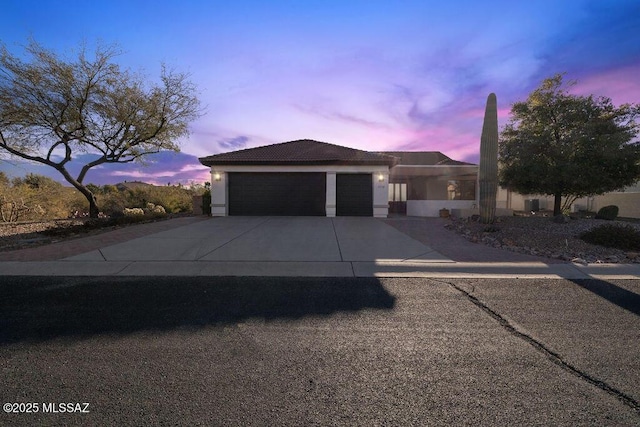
x: 579, y: 261
x: 633, y: 255
x: 528, y: 235
x: 508, y: 242
x: 561, y: 219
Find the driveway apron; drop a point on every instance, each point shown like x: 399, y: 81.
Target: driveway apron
x: 370, y: 239
x: 281, y: 239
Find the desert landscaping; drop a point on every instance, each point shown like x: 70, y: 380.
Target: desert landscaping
x: 541, y: 236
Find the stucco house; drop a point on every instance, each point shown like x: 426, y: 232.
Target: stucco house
x: 423, y: 182
x: 303, y: 177
x: 307, y: 177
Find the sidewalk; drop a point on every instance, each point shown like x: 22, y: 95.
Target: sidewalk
x: 450, y: 256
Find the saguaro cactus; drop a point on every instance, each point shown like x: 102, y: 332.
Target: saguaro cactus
x: 488, y: 176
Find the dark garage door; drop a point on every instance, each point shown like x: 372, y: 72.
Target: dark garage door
x: 354, y: 195
x: 277, y: 193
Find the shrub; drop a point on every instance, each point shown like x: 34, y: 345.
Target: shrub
x: 608, y: 212
x: 154, y: 209
x: 617, y: 236
x: 113, y: 204
x: 133, y: 212
x: 206, y: 202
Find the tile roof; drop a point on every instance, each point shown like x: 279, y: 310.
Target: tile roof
x: 300, y: 152
x: 424, y: 158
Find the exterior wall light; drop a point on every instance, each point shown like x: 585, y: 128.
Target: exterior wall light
x: 380, y: 178
x: 217, y: 176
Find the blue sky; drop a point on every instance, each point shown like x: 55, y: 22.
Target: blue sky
x: 372, y: 75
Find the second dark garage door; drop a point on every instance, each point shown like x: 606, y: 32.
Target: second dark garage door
x: 277, y: 193
x: 354, y: 194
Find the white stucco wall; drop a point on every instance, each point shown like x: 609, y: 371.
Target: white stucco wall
x: 218, y: 193
x: 380, y: 182
x: 330, y: 207
x: 628, y: 201
x: 431, y: 208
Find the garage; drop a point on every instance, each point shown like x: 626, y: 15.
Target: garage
x: 277, y: 193
x: 299, y: 178
x: 354, y: 194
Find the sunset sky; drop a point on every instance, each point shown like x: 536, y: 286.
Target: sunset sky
x: 372, y: 75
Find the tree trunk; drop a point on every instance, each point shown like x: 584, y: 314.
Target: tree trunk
x: 93, y: 207
x: 557, y: 204
x: 93, y: 204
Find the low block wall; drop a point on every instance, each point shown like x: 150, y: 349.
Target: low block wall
x: 431, y: 208
x: 627, y: 203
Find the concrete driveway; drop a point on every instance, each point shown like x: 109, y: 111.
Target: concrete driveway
x: 304, y: 239
x: 290, y: 246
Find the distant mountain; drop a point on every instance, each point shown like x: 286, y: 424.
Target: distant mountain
x: 131, y: 185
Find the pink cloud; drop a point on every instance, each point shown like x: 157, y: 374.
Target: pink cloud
x: 622, y: 85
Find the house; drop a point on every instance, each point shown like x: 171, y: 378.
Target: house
x: 303, y: 177
x: 307, y: 177
x: 424, y: 182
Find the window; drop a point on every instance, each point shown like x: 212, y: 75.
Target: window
x: 459, y: 189
x: 397, y: 192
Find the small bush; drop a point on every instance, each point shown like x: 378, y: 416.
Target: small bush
x: 152, y: 209
x: 617, y: 236
x: 133, y: 212
x: 206, y: 202
x: 608, y: 212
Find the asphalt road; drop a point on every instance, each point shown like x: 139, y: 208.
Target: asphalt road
x: 248, y: 351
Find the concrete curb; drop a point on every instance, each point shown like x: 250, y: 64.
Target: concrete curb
x: 497, y: 270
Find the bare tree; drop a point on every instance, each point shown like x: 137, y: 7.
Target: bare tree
x: 52, y: 109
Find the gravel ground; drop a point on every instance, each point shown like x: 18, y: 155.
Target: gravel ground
x: 31, y: 234
x: 541, y: 236
x: 25, y: 235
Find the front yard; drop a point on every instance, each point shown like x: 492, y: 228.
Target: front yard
x: 540, y: 235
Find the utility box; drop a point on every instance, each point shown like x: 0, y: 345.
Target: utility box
x: 532, y: 205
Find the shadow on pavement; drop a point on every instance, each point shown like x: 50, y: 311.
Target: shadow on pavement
x: 44, y: 308
x: 614, y: 294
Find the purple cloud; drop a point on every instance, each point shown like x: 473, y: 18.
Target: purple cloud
x: 160, y: 169
x: 232, y: 144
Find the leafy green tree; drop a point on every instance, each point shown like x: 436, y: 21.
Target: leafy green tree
x: 35, y: 181
x: 52, y: 109
x: 566, y: 145
x: 35, y: 197
x: 95, y: 189
x: 109, y: 189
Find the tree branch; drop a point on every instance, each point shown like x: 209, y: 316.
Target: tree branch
x: 25, y: 156
x: 85, y: 168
